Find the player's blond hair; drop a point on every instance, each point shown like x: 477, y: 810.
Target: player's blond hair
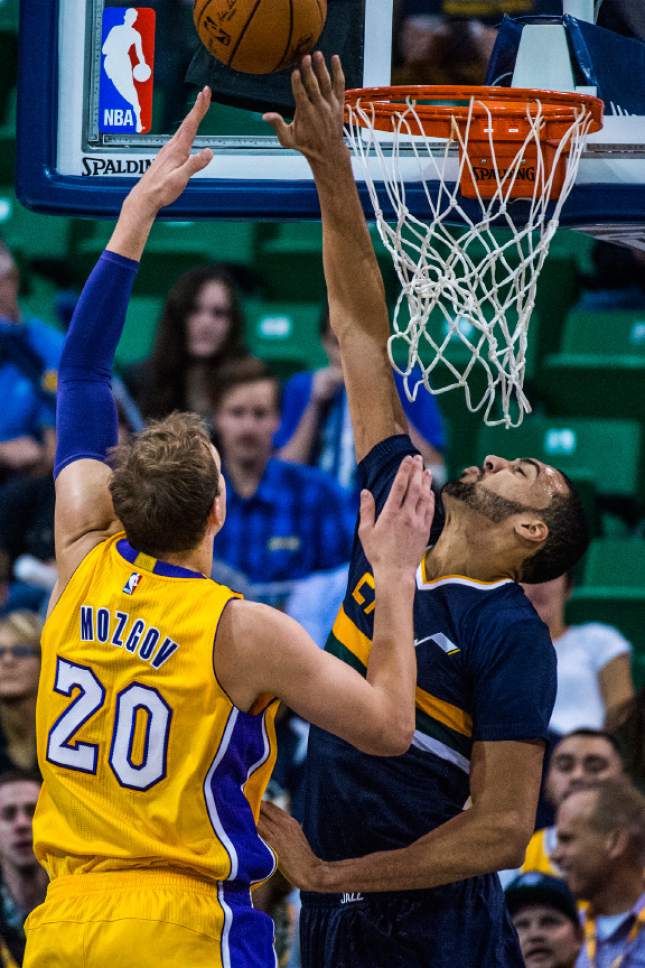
x: 164, y: 483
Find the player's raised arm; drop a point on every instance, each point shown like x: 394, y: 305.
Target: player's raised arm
x: 260, y: 650
x: 86, y: 422
x: 357, y: 306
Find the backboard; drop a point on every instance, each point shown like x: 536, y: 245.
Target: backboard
x: 82, y: 142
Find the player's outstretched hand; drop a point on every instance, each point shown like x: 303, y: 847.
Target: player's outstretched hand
x: 317, y: 127
x: 284, y: 835
x: 398, y: 538
x: 174, y: 166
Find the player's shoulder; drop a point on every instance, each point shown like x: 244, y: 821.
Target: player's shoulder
x: 503, y: 612
x: 378, y: 468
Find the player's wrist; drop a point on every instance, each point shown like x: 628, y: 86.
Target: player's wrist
x: 395, y: 577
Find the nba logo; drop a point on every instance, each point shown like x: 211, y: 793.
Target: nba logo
x: 127, y: 70
x: 131, y: 584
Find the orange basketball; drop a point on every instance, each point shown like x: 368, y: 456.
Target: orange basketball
x: 259, y: 36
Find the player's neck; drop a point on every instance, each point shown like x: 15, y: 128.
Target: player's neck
x: 198, y: 559
x: 459, y: 552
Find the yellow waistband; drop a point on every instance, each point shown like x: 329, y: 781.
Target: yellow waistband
x: 137, y: 879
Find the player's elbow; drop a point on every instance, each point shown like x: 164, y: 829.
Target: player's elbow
x: 513, y: 835
x: 392, y: 738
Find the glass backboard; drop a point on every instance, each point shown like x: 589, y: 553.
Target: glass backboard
x: 83, y: 138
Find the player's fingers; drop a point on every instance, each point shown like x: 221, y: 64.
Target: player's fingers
x: 298, y: 89
x: 322, y: 74
x: 309, y: 79
x: 187, y: 131
x: 425, y: 490
x: 367, y: 511
x: 415, y: 486
x: 399, y: 487
x: 281, y: 128
x: 196, y: 163
x: 338, y: 77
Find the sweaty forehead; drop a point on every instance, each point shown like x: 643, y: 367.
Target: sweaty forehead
x: 553, y: 478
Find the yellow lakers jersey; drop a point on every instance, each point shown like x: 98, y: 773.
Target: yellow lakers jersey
x: 146, y: 762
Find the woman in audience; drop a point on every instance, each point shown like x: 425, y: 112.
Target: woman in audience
x: 201, y: 327
x: 19, y: 669
x: 594, y: 675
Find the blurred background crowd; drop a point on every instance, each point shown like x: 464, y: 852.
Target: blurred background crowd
x: 230, y: 321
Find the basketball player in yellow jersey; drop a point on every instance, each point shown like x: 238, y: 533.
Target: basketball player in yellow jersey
x: 159, y: 687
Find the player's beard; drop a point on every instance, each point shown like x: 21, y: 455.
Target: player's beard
x: 493, y: 506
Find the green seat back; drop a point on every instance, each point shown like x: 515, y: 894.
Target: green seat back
x: 617, y: 333
x: 285, y: 335
x: 606, y: 452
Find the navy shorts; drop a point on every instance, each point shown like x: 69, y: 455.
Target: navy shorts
x: 463, y: 925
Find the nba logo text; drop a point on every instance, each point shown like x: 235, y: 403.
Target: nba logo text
x: 131, y: 584
x: 127, y: 70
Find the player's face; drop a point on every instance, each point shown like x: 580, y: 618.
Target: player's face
x: 582, y: 851
x: 19, y: 667
x: 17, y: 805
x: 525, y: 480
x: 578, y: 761
x: 246, y: 420
x: 209, y: 322
x: 548, y: 938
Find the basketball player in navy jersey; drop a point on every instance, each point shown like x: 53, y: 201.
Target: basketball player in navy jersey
x: 401, y: 873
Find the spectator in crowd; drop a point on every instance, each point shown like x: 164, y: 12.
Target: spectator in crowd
x: 594, y: 676
x: 601, y: 852
x: 581, y: 759
x: 629, y: 732
x: 19, y: 669
x: 200, y: 329
x: 29, y: 355
x: 316, y: 427
x: 546, y: 919
x: 284, y: 521
x: 27, y: 532
x: 22, y: 880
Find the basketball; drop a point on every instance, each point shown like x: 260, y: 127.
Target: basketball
x: 259, y: 36
x: 141, y: 73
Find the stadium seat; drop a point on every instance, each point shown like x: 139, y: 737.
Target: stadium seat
x: 29, y: 234
x: 285, y: 335
x: 173, y: 248
x: 291, y: 264
x: 600, y: 370
x: 9, y: 16
x: 613, y: 590
x: 223, y: 119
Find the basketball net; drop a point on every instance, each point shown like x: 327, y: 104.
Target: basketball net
x: 465, y: 288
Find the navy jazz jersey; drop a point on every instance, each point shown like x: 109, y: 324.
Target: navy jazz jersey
x: 486, y: 671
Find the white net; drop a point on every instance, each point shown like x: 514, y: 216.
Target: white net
x: 467, y: 293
